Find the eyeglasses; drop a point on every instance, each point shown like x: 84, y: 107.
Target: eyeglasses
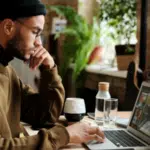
x: 37, y: 32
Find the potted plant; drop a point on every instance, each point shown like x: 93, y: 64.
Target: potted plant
x: 80, y: 40
x: 120, y: 17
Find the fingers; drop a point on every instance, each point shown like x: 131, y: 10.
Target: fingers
x: 95, y: 137
x: 96, y: 130
x: 36, y: 50
x: 94, y: 133
x: 84, y: 132
x: 38, y: 57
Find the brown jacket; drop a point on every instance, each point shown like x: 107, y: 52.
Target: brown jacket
x: 20, y: 102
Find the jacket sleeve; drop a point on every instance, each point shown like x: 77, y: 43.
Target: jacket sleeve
x: 44, y: 140
x: 47, y: 104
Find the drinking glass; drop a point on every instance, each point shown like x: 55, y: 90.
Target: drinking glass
x: 110, y: 112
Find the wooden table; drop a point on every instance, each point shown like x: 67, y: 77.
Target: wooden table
x: 122, y: 114
x: 71, y: 146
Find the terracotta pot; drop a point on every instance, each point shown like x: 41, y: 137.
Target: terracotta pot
x: 96, y: 55
x: 124, y: 56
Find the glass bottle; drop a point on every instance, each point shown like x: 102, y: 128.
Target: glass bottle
x: 103, y: 93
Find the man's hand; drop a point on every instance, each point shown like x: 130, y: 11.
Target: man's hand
x: 41, y: 56
x: 83, y: 132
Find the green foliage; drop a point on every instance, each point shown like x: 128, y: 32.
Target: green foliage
x: 80, y: 39
x: 120, y: 15
x: 130, y: 50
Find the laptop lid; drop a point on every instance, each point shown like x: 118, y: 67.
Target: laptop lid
x: 139, y: 123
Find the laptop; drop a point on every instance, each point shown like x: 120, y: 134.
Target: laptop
x: 137, y: 134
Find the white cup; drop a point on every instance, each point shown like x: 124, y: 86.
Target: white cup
x: 74, y: 109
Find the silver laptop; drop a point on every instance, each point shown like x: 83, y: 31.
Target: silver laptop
x: 137, y: 134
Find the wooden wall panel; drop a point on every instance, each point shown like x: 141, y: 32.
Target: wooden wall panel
x: 138, y: 32
x: 148, y: 38
x: 147, y: 65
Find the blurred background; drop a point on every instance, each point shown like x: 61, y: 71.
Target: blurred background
x: 93, y: 41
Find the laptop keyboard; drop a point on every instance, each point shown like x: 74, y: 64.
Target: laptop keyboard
x: 121, y: 138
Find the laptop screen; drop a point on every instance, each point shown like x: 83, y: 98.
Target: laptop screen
x: 141, y: 117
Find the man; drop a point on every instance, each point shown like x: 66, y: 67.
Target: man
x: 21, y: 22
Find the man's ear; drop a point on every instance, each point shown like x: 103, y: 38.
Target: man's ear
x: 9, y: 27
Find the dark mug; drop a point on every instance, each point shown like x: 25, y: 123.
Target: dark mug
x: 74, y: 109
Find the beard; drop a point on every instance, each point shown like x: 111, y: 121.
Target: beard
x: 15, y: 46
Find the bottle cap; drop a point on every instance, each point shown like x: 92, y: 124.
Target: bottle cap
x: 103, y: 86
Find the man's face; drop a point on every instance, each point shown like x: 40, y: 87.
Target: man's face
x: 26, y: 37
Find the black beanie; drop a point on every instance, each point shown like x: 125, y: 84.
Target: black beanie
x: 14, y: 9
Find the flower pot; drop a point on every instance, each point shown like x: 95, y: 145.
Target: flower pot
x: 96, y: 55
x: 125, y: 54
